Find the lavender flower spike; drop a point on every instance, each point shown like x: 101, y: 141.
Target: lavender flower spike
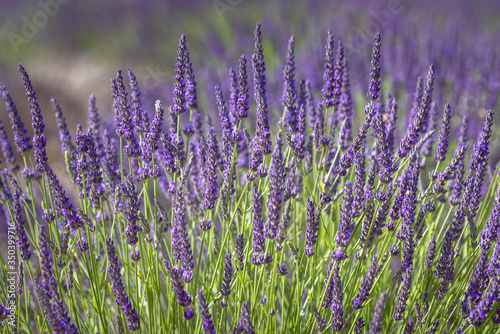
x: 329, y: 73
x: 18, y: 221
x: 259, y: 67
x: 242, y: 103
x: 444, y: 133
x: 152, y: 138
x: 245, y: 322
x: 179, y: 99
x: 183, y: 298
x: 364, y: 290
x: 226, y: 280
x: 118, y: 288
x: 208, y: 325
x: 312, y: 228
x: 374, y: 86
x: 209, y: 171
x: 7, y: 152
x: 21, y: 136
x: 39, y: 140
x: 289, y: 96
x: 277, y: 177
x: 345, y: 222
x: 377, y: 318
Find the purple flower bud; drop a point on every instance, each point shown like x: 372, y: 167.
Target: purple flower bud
x: 281, y: 270
x: 359, y: 325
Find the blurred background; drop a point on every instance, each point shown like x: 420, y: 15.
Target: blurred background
x: 72, y: 48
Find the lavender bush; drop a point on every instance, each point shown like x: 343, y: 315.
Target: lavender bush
x: 202, y: 221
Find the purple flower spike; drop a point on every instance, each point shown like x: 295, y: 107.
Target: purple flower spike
x: 94, y: 121
x: 179, y: 98
x: 244, y: 322
x: 123, y: 118
x: 345, y: 223
x: 191, y: 92
x: 336, y: 304
x: 329, y: 73
x: 364, y: 290
x: 47, y: 291
x: 183, y: 298
x: 7, y: 152
x: 420, y: 119
x: 208, y: 325
x: 444, y: 133
x: 242, y: 103
x: 131, y: 208
x: 140, y: 116
x: 259, y: 67
x: 404, y: 293
x: 281, y: 270
x: 228, y: 275
x: 429, y: 258
x: 21, y: 136
x: 210, y: 176
x: 240, y: 246
x: 180, y: 239
x: 374, y: 86
x: 312, y: 225
x: 39, y: 140
x: 359, y: 326
x: 377, y: 315
x: 289, y: 96
x: 18, y: 221
x: 258, y: 228
x: 277, y: 177
x: 152, y: 138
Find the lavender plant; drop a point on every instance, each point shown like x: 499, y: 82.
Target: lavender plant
x: 186, y: 226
